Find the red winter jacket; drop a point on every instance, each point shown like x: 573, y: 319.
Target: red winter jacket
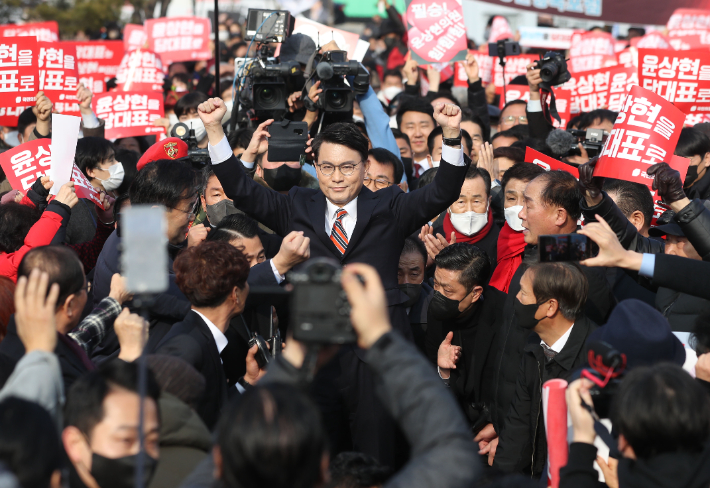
x: 41, y: 234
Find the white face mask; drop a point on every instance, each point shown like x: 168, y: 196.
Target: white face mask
x: 511, y: 217
x: 468, y: 223
x: 198, y: 127
x: 357, y: 118
x: 386, y: 95
x: 11, y: 138
x: 115, y: 178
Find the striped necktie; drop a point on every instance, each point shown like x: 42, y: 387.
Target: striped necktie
x: 338, y: 234
x: 548, y: 352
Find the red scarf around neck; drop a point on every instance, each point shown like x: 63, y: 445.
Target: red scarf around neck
x: 449, y: 228
x: 511, y: 246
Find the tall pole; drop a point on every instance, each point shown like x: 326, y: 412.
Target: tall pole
x: 216, y: 48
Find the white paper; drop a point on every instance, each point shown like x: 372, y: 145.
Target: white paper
x: 65, y: 133
x: 361, y: 49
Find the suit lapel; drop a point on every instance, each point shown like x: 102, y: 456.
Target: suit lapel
x: 366, y: 202
x: 207, y: 333
x: 316, y: 212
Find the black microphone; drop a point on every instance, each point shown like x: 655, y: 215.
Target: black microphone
x: 561, y: 141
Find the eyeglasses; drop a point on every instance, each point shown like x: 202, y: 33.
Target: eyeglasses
x: 378, y: 182
x: 510, y: 119
x: 190, y: 212
x: 346, y: 169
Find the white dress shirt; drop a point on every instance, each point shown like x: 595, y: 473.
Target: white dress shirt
x: 560, y: 343
x: 349, y: 221
x: 219, y: 338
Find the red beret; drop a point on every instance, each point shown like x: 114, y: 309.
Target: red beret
x: 170, y: 148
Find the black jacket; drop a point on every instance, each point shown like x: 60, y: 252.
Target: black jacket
x: 701, y: 188
x: 511, y: 337
x: 193, y: 341
x: 681, y: 309
x: 479, y: 106
x: 523, y: 445
x: 472, y: 380
x: 489, y: 243
x: 418, y: 320
x: 72, y: 358
x: 669, y: 470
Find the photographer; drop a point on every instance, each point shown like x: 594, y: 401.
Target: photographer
x: 251, y: 444
x: 662, y: 418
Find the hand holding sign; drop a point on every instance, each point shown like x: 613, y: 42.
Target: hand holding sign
x: 591, y: 185
x: 67, y: 195
x: 669, y: 184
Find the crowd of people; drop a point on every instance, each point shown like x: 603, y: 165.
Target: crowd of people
x: 424, y: 203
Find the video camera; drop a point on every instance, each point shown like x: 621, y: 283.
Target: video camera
x: 199, y: 157
x: 331, y: 68
x: 592, y: 141
x: 553, y: 69
x: 606, y: 369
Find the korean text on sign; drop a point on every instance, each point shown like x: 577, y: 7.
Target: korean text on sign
x: 41, y: 31
x: 602, y: 88
x: 129, y: 113
x: 19, y: 75
x: 645, y: 133
x: 57, y: 69
x: 179, y: 39
x: 140, y: 70
x: 590, y: 51
x: 25, y: 163
x: 97, y: 62
x: 515, y: 66
x: 682, y: 78
x: 436, y: 31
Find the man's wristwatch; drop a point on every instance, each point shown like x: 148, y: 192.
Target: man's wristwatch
x: 453, y: 141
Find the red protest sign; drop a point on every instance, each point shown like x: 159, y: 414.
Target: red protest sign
x: 628, y: 58
x: 10, y: 115
x: 25, y: 163
x: 58, y: 77
x: 688, y: 21
x: 19, y: 75
x: 129, y: 113
x: 134, y: 37
x: 140, y: 70
x: 97, y: 62
x: 485, y: 69
x: 500, y: 29
x: 588, y: 50
x: 42, y: 31
x: 601, y: 88
x: 514, y: 66
x: 652, y: 40
x: 645, y: 133
x: 693, y: 41
x: 682, y: 78
x: 436, y: 31
x: 179, y: 38
x: 519, y: 92
x: 548, y: 163
x: 323, y: 34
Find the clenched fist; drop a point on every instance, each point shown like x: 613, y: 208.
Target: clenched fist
x: 448, y: 116
x: 295, y: 249
x: 211, y: 112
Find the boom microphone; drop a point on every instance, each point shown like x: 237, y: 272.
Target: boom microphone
x: 561, y: 141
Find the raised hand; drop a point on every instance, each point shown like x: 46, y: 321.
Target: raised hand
x: 118, y: 290
x: 434, y: 77
x: 295, y: 249
x: 411, y: 71
x: 34, y: 312
x: 197, y: 234
x: 611, y: 252
x: 448, y: 355
x: 294, y: 101
x: 668, y: 183
x: 132, y: 332
x: 486, y: 160
x: 434, y: 245
x: 84, y: 96
x: 67, y: 195
x: 315, y: 91
x: 105, y: 211
x: 448, y: 116
x: 591, y: 185
x: 533, y: 76
x: 259, y: 143
x: 42, y: 108
x: 470, y: 66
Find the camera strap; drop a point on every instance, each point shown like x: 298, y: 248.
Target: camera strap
x: 545, y: 92
x: 602, y: 431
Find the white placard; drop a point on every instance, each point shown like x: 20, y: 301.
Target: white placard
x: 65, y: 133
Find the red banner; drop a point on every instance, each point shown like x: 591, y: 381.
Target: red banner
x: 97, y: 62
x: 682, y: 78
x: 436, y: 31
x: 43, y: 31
x: 514, y: 66
x: 27, y: 162
x: 129, y: 113
x: 10, y: 115
x: 645, y: 133
x: 591, y: 50
x: 652, y: 40
x: 628, y: 58
x: 19, y: 75
x: 549, y: 164
x: 134, y: 37
x: 58, y: 77
x: 179, y: 38
x: 693, y: 41
x: 140, y: 70
x: 520, y: 92
x: 554, y: 407
x: 500, y: 29
x: 688, y: 21
x: 601, y: 88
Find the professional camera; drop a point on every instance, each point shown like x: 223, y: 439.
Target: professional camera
x: 198, y: 157
x: 592, y: 141
x: 331, y: 68
x: 268, y: 25
x: 320, y: 311
x: 553, y: 69
x: 270, y: 88
x: 606, y: 368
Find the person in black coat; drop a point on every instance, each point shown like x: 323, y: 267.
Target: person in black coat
x: 64, y: 268
x: 464, y: 315
x: 213, y: 276
x: 551, y: 304
x: 410, y: 276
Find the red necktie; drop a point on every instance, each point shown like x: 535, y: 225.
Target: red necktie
x: 338, y: 234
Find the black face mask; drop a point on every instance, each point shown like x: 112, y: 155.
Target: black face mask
x: 412, y: 291
x: 526, y: 314
x: 282, y: 178
x: 444, y: 308
x: 390, y: 42
x: 120, y: 472
x: 217, y: 212
x: 691, y: 175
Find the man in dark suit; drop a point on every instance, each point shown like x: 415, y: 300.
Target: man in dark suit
x: 213, y: 276
x: 346, y: 221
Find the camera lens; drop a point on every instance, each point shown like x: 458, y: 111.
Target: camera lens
x: 549, y: 71
x: 337, y: 99
x: 321, y: 273
x: 268, y: 97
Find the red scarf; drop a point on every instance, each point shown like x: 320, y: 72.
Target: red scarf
x: 511, y: 245
x: 449, y: 228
